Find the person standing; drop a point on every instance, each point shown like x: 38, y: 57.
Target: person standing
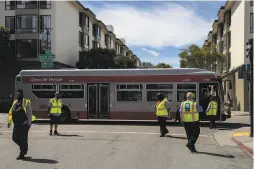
x: 211, y: 111
x: 55, y: 110
x: 20, y: 114
x: 162, y: 112
x: 190, y: 117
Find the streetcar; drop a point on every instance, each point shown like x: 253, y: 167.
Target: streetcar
x: 118, y: 94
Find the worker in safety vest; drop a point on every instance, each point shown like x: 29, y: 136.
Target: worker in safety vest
x: 190, y: 117
x: 20, y: 114
x: 162, y: 112
x: 55, y: 110
x: 211, y: 111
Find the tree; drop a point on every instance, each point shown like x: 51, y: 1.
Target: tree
x: 163, y: 65
x: 124, y: 62
x: 103, y: 59
x: 6, y: 55
x: 204, y: 58
x: 147, y: 65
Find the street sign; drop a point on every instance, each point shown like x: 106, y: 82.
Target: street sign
x: 47, y: 59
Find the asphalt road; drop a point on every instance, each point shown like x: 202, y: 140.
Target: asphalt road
x: 122, y: 147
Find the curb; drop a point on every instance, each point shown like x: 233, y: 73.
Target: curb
x: 242, y: 146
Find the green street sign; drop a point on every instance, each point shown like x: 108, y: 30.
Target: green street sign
x: 47, y: 59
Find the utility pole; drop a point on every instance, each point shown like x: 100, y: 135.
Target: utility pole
x: 250, y: 55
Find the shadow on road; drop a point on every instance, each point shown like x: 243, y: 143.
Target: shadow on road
x: 177, y: 137
x: 69, y: 135
x: 215, y: 154
x: 47, y: 161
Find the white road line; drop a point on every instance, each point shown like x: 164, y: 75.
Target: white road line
x: 108, y: 132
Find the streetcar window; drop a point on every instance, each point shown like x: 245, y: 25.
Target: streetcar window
x: 72, y: 91
x: 72, y: 87
x: 129, y: 86
x: 18, y: 79
x: 181, y: 95
x: 159, y: 86
x: 129, y: 95
x: 44, y: 91
x: 152, y: 95
x: 186, y: 86
x: 183, y: 89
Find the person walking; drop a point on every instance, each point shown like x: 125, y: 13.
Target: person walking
x: 162, y: 112
x: 55, y: 110
x: 211, y: 111
x: 20, y: 114
x: 190, y: 117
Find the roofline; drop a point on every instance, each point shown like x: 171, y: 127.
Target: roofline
x: 86, y: 9
x: 221, y: 8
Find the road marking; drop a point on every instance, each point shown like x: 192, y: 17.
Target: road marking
x: 108, y: 132
x: 238, y: 134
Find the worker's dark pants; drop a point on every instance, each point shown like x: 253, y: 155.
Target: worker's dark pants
x: 192, y: 130
x: 20, y: 137
x: 212, y: 121
x: 163, y: 123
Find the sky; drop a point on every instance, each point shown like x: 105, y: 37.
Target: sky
x: 156, y: 31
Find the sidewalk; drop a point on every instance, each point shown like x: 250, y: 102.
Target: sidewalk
x: 242, y: 138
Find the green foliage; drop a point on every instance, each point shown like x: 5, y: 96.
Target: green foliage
x: 147, y: 65
x: 6, y: 53
x: 103, y: 59
x: 163, y: 65
x: 204, y: 58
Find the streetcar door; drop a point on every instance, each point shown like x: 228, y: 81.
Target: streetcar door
x: 103, y: 101
x: 98, y: 100
x: 92, y: 100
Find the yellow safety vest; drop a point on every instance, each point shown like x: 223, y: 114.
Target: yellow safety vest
x: 56, y: 106
x: 189, y: 111
x: 161, y: 109
x: 24, y: 104
x: 213, y: 109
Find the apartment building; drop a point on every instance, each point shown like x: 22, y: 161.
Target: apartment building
x: 64, y: 27
x: 230, y: 32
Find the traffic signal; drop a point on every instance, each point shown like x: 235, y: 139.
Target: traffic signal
x: 248, y: 76
x: 250, y: 49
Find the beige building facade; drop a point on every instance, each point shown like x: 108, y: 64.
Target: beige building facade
x: 71, y: 28
x: 230, y: 32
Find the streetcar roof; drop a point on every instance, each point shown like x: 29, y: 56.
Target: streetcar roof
x: 116, y: 72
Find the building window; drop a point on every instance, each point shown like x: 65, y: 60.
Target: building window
x: 154, y: 89
x: 251, y: 2
x: 228, y: 61
x: 86, y: 41
x: 80, y: 19
x: 45, y: 4
x: 251, y: 22
x: 26, y: 48
x: 81, y: 39
x: 96, y: 45
x: 229, y: 39
x: 27, y: 24
x: 10, y: 5
x: 10, y: 23
x: 129, y: 92
x: 183, y: 89
x: 71, y: 91
x: 44, y: 91
x: 24, y: 4
x: 96, y: 31
x: 86, y: 21
x: 45, y: 23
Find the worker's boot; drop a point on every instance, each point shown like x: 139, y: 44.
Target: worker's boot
x: 50, y: 132
x: 56, y: 133
x: 21, y: 156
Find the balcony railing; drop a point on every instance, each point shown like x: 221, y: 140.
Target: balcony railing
x: 26, y: 30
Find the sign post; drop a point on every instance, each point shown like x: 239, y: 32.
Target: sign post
x: 47, y: 59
